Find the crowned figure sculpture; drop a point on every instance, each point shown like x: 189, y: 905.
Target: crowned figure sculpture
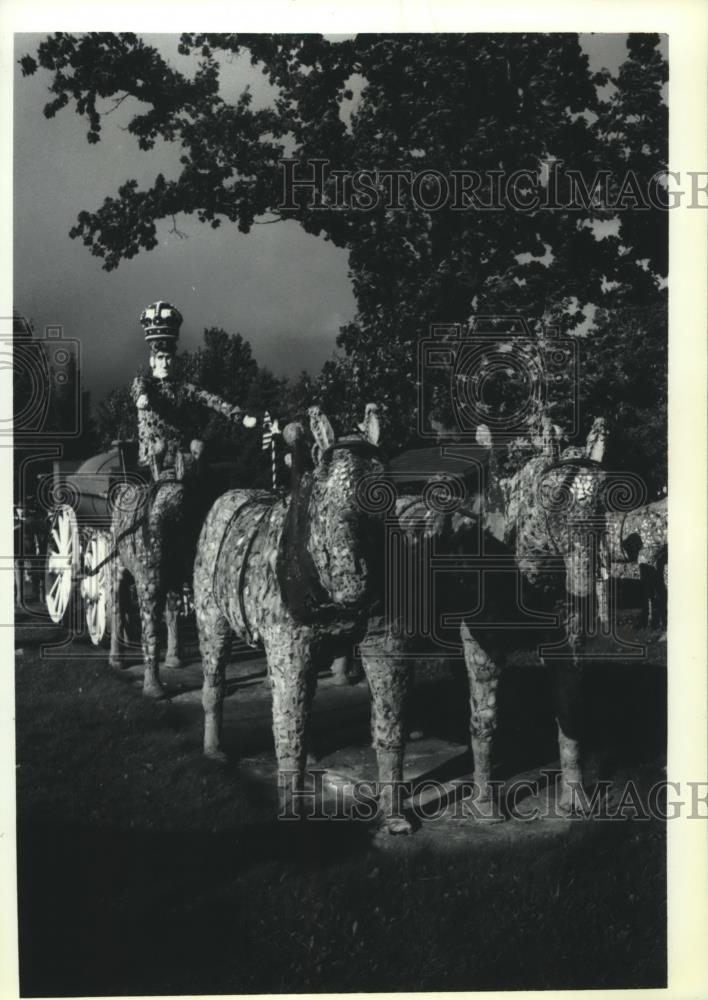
x: 164, y: 403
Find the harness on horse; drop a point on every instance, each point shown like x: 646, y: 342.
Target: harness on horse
x: 297, y: 575
x: 253, y: 501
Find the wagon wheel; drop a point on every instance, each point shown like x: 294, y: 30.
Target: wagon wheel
x: 62, y: 563
x: 96, y: 588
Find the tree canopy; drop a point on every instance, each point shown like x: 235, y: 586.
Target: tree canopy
x: 494, y: 104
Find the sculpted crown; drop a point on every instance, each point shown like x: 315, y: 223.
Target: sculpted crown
x: 161, y: 320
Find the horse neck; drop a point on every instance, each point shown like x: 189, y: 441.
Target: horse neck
x: 336, y: 533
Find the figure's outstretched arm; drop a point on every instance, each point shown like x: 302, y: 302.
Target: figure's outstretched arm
x: 216, y: 403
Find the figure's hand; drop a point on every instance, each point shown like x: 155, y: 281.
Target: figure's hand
x: 142, y: 401
x: 236, y: 414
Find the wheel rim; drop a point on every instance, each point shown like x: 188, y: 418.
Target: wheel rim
x: 62, y: 562
x: 94, y: 588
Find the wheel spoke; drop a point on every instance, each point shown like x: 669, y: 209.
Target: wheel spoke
x: 95, y: 587
x: 61, y: 562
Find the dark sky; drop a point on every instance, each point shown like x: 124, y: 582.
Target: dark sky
x: 283, y: 290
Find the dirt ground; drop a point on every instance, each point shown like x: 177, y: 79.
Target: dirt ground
x: 143, y: 869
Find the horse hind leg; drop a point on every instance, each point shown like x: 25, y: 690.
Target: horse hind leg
x: 173, y: 655
x: 654, y: 595
x: 117, y: 632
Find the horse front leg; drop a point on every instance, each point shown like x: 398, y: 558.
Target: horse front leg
x: 152, y: 603
x: 173, y: 656
x: 388, y: 675
x: 662, y: 594
x: 214, y: 646
x: 483, y: 677
x: 569, y: 708
x: 603, y: 584
x: 290, y: 667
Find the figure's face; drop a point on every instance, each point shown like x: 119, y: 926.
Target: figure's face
x: 161, y: 364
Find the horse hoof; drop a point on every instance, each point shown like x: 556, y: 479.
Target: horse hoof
x: 488, y: 818
x: 484, y: 811
x: 340, y: 680
x: 566, y: 808
x: 155, y: 692
x: 115, y: 664
x: 216, y: 756
x: 174, y: 662
x: 396, y: 826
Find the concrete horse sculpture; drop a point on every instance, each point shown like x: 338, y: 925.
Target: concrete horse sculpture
x: 155, y: 530
x: 295, y: 573
x: 554, y: 516
x: 538, y: 534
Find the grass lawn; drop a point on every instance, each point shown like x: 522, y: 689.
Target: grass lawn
x: 142, y: 869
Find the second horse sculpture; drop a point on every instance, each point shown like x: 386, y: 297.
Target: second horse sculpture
x: 530, y: 545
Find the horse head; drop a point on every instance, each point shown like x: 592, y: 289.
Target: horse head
x: 330, y: 560
x: 545, y: 502
x: 344, y: 535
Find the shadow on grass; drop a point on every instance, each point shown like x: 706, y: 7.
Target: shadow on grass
x: 112, y: 910
x: 143, y: 870
x: 279, y: 908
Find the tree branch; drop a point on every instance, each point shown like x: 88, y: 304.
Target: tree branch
x: 178, y: 232
x: 116, y: 104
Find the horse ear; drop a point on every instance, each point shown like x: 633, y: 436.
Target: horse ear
x: 371, y: 426
x: 549, y: 438
x: 597, y: 440
x: 292, y: 433
x: 294, y: 438
x: 321, y: 428
x: 483, y: 436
